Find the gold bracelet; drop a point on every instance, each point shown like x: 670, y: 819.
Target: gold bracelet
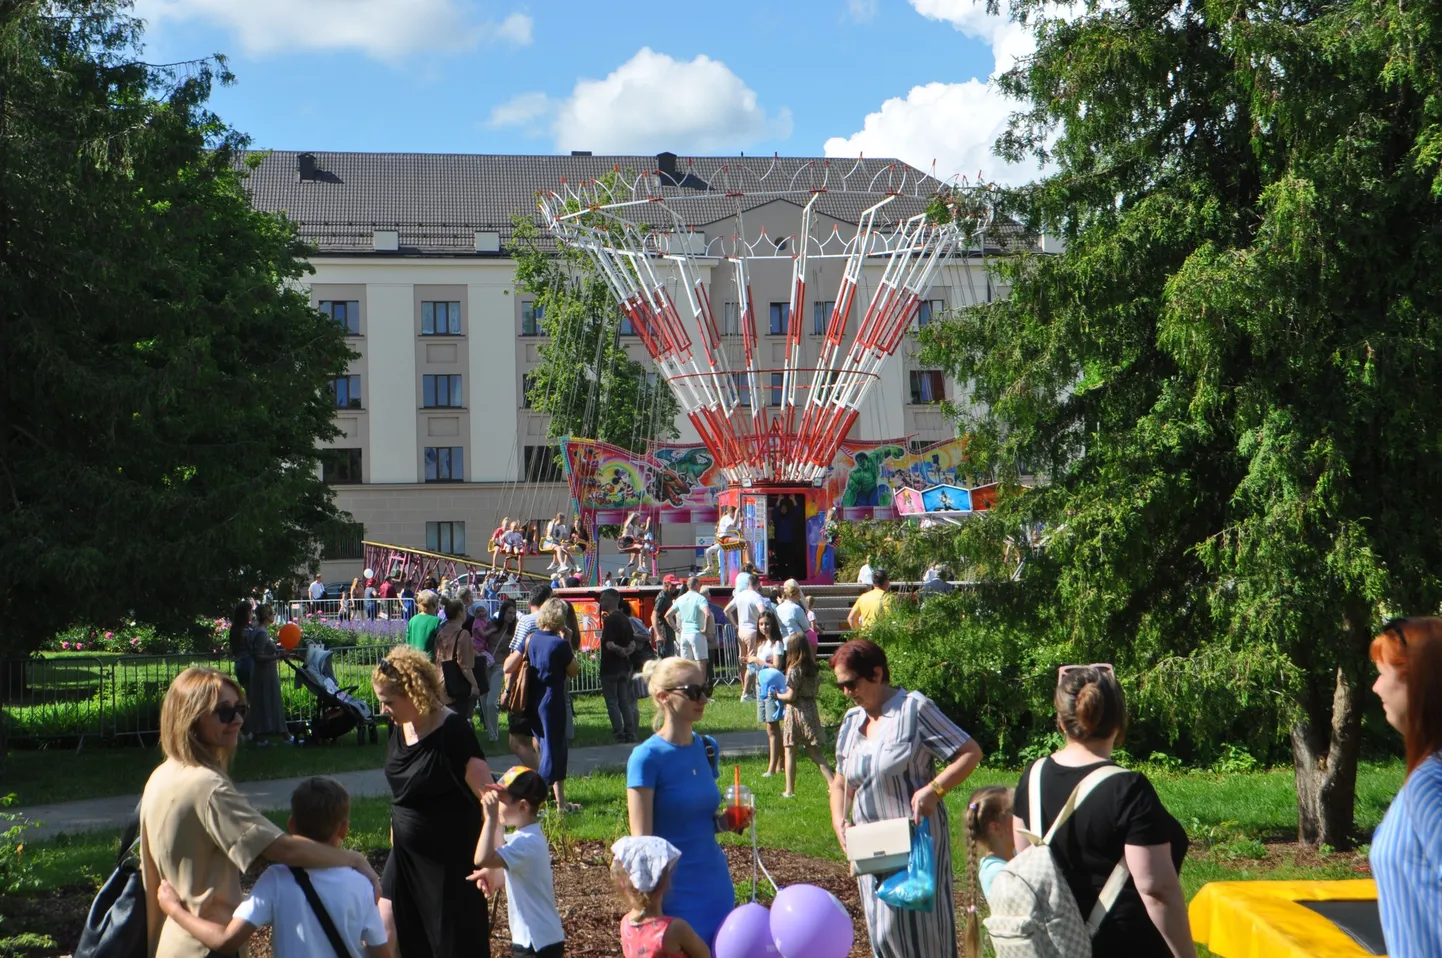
x: 938, y: 789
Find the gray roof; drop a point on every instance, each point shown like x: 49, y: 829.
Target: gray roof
x: 437, y: 201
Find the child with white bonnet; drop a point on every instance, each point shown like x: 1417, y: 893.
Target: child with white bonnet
x: 642, y: 868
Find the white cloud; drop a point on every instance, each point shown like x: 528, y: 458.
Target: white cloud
x: 384, y: 29
x: 861, y: 11
x: 653, y: 102
x: 954, y: 125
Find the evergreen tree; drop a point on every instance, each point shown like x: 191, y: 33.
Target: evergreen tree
x: 164, y: 378
x: 1231, y: 374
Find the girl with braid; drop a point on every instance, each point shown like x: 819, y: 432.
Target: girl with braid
x: 989, y: 846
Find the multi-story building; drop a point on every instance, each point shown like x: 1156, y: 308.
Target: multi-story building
x: 412, y: 259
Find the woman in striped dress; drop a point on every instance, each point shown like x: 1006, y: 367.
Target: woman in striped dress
x: 886, y: 754
x: 1407, y: 848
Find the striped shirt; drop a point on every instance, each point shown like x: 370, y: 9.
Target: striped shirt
x: 525, y: 625
x: 1407, y: 863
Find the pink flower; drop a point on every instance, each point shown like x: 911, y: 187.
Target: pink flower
x: 79, y: 646
x: 135, y: 640
x: 65, y: 646
x: 110, y: 635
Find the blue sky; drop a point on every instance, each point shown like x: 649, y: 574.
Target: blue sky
x: 835, y: 77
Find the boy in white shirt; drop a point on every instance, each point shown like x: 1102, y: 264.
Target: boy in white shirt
x: 525, y: 860
x: 320, y: 811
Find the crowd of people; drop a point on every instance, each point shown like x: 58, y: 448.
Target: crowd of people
x: 896, y: 756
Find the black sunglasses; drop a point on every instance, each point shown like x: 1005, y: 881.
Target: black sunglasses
x: 694, y: 692
x: 229, y: 713
x: 386, y: 667
x: 849, y: 685
x: 1395, y: 626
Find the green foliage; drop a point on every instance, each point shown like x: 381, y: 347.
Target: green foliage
x: 1229, y: 375
x: 165, y: 376
x: 17, y: 873
x: 586, y: 381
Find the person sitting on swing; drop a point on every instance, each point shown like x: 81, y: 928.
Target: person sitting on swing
x: 727, y: 537
x: 580, y: 541
x: 628, y: 541
x: 556, y: 540
x: 497, y: 539
x: 513, y: 544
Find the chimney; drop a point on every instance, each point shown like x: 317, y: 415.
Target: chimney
x: 305, y: 167
x: 666, y: 163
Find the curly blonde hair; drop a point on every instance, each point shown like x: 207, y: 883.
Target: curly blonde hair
x: 409, y: 672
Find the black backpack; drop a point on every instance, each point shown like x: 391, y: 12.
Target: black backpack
x: 115, y: 927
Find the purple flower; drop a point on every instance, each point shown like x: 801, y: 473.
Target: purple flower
x: 79, y: 646
x: 110, y: 635
x: 65, y: 646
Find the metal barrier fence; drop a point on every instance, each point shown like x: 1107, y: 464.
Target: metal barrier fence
x: 341, y: 612
x: 98, y: 699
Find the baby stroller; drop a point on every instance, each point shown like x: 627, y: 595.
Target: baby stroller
x: 338, y: 711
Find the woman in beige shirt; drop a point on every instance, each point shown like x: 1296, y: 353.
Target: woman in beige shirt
x: 196, y: 830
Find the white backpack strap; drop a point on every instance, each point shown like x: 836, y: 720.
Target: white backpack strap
x: 1078, y: 795
x: 1116, y: 881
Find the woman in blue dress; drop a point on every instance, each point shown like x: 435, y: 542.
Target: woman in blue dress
x: 552, y: 661
x: 671, y: 792
x: 1407, y: 848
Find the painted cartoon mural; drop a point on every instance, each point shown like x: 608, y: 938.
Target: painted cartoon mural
x: 864, y: 479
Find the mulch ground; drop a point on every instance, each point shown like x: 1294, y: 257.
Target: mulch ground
x: 585, y: 897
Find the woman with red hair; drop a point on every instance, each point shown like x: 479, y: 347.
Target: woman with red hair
x: 1407, y: 847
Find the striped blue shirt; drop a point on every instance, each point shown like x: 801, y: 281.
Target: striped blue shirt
x: 1407, y: 863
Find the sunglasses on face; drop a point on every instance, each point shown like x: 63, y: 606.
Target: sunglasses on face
x: 694, y: 692
x: 849, y: 685
x: 228, y: 712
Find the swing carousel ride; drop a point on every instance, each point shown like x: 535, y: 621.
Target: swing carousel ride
x: 774, y: 418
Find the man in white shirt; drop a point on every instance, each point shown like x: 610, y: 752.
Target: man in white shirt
x: 317, y: 590
x: 864, y: 576
x: 743, y: 612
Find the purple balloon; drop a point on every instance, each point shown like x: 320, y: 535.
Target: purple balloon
x: 809, y: 922
x: 746, y: 933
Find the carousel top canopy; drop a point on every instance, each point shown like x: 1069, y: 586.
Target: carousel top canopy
x: 635, y: 228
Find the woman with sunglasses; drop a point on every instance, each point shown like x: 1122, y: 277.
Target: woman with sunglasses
x: 1121, y: 823
x: 196, y: 830
x: 437, y: 774
x: 1407, y: 847
x: 671, y: 792
x: 887, y: 751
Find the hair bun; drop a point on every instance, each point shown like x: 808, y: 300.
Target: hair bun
x: 649, y: 669
x: 1091, y: 707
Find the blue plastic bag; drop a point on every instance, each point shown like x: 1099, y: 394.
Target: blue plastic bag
x: 915, y: 888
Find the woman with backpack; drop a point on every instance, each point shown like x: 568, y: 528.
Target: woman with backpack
x: 887, y: 752
x: 1121, y: 822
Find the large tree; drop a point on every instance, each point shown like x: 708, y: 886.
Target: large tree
x: 1231, y: 374
x: 164, y: 377
x: 586, y: 381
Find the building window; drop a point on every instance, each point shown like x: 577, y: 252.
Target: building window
x: 440, y: 391
x: 780, y: 318
x: 743, y: 387
x: 531, y: 316
x: 731, y: 319
x: 346, y: 391
x: 528, y: 383
x: 446, y: 537
x: 927, y: 386
x: 440, y: 319
x: 927, y: 310
x: 776, y: 389
x: 541, y: 464
x: 344, y: 312
x: 343, y: 540
x: 628, y: 328
x: 821, y: 315
x: 445, y: 464
x: 340, y: 467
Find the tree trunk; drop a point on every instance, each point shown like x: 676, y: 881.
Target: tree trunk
x: 1325, y: 745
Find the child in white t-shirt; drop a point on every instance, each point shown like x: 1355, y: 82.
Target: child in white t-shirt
x: 525, y: 860
x: 320, y: 811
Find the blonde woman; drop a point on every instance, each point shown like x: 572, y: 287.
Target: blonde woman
x: 549, y: 656
x: 196, y: 830
x: 794, y: 612
x: 672, y: 792
x: 437, y: 772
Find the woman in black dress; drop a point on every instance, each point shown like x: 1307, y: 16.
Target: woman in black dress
x: 436, y: 771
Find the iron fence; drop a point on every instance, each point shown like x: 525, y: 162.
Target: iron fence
x: 94, y: 699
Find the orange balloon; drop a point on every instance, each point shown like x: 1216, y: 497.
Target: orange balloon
x: 289, y: 635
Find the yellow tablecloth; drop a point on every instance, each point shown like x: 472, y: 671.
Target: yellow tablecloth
x: 1261, y: 919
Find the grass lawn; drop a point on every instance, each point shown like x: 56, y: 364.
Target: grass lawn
x: 39, y: 777
x: 1230, y: 818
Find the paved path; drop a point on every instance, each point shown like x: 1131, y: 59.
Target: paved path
x: 114, y: 812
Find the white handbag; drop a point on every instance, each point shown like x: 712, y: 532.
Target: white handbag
x: 879, y: 848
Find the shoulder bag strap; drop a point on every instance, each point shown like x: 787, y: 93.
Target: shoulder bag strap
x: 1033, y: 794
x: 323, y: 916
x: 127, y: 840
x: 1078, y: 795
